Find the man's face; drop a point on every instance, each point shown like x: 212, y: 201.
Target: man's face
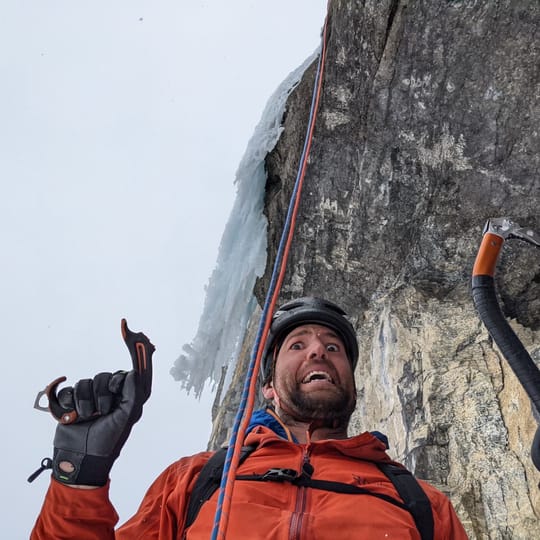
x: 313, y: 378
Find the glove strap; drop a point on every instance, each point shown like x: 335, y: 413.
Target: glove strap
x: 46, y: 463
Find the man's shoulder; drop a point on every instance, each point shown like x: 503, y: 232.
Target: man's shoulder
x: 188, y: 464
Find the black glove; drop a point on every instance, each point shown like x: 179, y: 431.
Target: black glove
x: 107, y: 407
x: 96, y: 416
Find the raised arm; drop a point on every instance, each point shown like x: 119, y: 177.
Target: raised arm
x: 95, y: 419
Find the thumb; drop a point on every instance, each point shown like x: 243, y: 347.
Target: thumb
x: 141, y: 350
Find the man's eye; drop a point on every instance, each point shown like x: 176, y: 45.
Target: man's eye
x: 296, y: 346
x: 331, y: 347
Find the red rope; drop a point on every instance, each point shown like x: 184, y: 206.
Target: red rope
x: 223, y: 522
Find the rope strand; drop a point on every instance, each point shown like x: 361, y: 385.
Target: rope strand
x: 245, y: 409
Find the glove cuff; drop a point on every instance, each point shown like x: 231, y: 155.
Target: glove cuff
x: 88, y: 470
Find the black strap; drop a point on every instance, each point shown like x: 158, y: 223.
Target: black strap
x: 414, y: 497
x: 284, y: 475
x: 209, y: 480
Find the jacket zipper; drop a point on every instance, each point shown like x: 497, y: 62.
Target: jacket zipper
x: 297, y: 519
x: 298, y: 516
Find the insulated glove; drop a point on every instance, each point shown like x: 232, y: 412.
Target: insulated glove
x: 107, y: 407
x: 102, y: 412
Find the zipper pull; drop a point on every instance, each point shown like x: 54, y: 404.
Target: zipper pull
x: 307, y: 468
x: 46, y: 463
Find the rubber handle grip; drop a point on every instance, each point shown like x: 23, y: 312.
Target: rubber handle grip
x: 485, y: 301
x: 535, y: 450
x: 487, y: 305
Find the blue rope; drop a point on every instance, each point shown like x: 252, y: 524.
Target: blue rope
x: 275, y: 273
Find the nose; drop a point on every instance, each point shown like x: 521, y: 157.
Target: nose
x: 316, y: 349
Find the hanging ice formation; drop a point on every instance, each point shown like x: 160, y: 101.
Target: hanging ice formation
x: 229, y: 301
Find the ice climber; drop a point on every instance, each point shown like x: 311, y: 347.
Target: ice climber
x: 302, y: 476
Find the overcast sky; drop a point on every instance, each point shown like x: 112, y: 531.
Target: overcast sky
x: 122, y: 125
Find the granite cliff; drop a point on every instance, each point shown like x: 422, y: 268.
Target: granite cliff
x: 429, y: 125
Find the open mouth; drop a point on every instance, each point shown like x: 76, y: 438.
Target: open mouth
x: 313, y: 376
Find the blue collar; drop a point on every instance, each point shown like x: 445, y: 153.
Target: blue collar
x: 262, y: 417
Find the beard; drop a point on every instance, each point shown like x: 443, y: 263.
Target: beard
x: 331, y: 411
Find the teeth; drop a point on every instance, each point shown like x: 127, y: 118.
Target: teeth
x: 317, y: 376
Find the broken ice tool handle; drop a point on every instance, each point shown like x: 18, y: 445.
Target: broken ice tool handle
x: 62, y: 414
x: 141, y: 350
x: 496, y: 232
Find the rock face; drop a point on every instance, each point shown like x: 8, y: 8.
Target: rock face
x: 429, y: 125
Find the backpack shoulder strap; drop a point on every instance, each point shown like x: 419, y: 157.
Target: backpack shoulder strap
x: 413, y: 496
x: 209, y: 480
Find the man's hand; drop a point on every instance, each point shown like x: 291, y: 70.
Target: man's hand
x: 107, y: 406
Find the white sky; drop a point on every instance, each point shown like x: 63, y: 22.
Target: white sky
x: 122, y: 125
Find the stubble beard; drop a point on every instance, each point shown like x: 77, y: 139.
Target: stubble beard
x: 334, y: 411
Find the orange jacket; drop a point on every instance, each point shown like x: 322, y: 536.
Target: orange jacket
x: 260, y: 510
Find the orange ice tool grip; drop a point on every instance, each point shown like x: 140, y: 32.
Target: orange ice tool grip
x: 488, y: 253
